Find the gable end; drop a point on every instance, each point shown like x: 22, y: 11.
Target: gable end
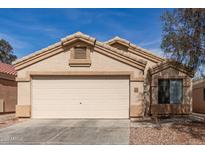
x: 68, y: 41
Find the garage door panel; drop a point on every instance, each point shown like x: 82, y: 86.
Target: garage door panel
x: 87, y: 93
x: 88, y: 107
x: 80, y: 97
x: 75, y: 114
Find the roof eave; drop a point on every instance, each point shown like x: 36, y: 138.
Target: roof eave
x: 166, y: 64
x: 32, y: 58
x: 134, y: 47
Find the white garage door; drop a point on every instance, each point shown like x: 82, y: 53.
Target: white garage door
x: 80, y: 97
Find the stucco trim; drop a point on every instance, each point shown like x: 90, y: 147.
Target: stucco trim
x: 137, y: 79
x: 23, y: 79
x: 166, y: 109
x: 170, y: 64
x: 157, y: 77
x: 82, y: 73
x: 80, y: 62
x: 71, y: 40
x: 136, y: 111
x: 23, y: 111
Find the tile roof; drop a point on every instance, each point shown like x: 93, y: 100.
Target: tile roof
x: 7, y: 69
x: 174, y: 64
x: 87, y: 38
x: 133, y: 46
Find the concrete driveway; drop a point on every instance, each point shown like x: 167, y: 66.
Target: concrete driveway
x: 67, y: 132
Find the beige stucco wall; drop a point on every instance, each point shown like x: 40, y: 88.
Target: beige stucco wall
x: 150, y: 63
x: 136, y: 99
x: 60, y: 63
x: 24, y: 93
x: 101, y: 62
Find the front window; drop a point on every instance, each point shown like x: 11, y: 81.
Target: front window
x: 170, y: 91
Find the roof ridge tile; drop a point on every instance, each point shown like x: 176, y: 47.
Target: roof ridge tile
x: 86, y: 37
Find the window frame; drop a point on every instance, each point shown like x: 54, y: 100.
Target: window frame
x: 160, y: 99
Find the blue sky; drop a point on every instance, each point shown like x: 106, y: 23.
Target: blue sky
x: 29, y: 30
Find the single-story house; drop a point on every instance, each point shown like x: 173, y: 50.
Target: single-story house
x: 199, y: 96
x: 81, y: 77
x: 8, y: 88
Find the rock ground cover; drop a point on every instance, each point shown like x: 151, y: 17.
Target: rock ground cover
x: 168, y: 131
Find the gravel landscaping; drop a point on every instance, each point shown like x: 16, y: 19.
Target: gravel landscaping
x: 168, y: 131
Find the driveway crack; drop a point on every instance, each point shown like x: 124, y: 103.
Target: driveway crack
x: 58, y: 134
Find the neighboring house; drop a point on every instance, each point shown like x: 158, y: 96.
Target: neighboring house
x: 199, y: 96
x: 81, y: 77
x: 8, y: 88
